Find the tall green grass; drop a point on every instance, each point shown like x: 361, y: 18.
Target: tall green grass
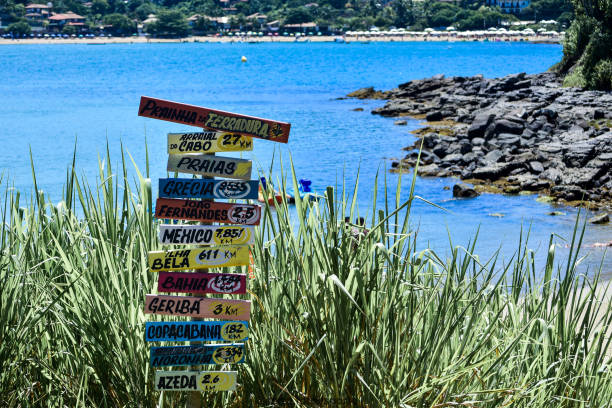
x: 343, y: 314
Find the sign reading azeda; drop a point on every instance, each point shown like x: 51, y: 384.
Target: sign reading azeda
x: 202, y: 188
x: 195, y: 380
x: 210, y: 166
x: 191, y: 282
x: 197, y: 355
x: 200, y: 258
x: 206, y: 234
x: 205, y: 211
x: 224, y: 309
x: 233, y: 331
x: 208, y: 142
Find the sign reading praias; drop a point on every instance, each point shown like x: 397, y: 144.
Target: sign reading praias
x: 200, y: 258
x: 191, y: 282
x: 206, y: 211
x: 233, y: 331
x: 214, y: 119
x: 195, y: 380
x: 202, y: 188
x: 206, y: 234
x: 197, y: 355
x: 208, y: 142
x: 210, y: 166
x: 223, y: 309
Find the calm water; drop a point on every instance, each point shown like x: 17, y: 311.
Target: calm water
x: 54, y: 94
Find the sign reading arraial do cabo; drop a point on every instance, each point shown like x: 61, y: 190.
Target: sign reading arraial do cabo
x: 214, y: 119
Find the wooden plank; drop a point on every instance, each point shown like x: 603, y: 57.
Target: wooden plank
x: 199, y: 258
x: 206, y: 234
x: 208, y: 381
x: 190, y: 282
x: 214, y: 119
x: 233, y: 331
x: 193, y: 306
x: 208, y: 165
x: 208, y: 142
x: 207, y: 188
x: 205, y: 211
x: 197, y: 355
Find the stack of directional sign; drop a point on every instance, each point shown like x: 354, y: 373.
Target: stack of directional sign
x: 220, y: 246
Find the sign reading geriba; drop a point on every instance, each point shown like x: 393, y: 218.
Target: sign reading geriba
x: 203, y: 188
x: 191, y: 282
x: 195, y: 380
x: 208, y: 142
x: 205, y: 211
x: 214, y: 119
x: 233, y: 331
x: 206, y: 234
x: 224, y: 309
x: 210, y: 166
x: 197, y: 355
x: 200, y: 258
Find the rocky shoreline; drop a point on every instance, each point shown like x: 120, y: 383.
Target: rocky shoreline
x: 520, y: 134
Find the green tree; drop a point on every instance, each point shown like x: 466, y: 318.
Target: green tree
x: 170, y: 23
x: 99, y: 7
x: 19, y: 28
x: 404, y: 14
x: 144, y: 10
x: 203, y: 25
x: 298, y: 15
x: 68, y: 29
x: 120, y: 25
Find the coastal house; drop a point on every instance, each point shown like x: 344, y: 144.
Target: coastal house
x: 37, y: 12
x: 66, y: 19
x: 219, y: 23
x: 258, y: 17
x: 301, y: 28
x: 509, y: 6
x: 273, y: 26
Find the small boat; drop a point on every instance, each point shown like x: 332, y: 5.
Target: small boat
x: 305, y: 190
x: 270, y: 195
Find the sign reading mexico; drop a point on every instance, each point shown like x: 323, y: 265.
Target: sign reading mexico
x: 206, y: 234
x: 214, y: 119
x: 202, y: 188
x: 200, y: 258
x: 205, y: 211
x: 224, y: 309
x: 191, y: 282
x: 197, y: 355
x: 233, y: 331
x: 195, y: 380
x: 210, y: 166
x: 208, y: 142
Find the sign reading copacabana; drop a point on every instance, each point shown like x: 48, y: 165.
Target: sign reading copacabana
x: 208, y: 142
x: 199, y: 258
x: 224, y: 309
x: 197, y: 355
x: 214, y: 119
x: 202, y: 188
x: 210, y: 166
x: 191, y: 282
x: 206, y: 234
x: 206, y: 211
x: 195, y: 380
x: 233, y: 331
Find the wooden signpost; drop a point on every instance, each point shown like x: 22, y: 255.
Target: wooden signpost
x: 206, y: 211
x: 233, y: 331
x: 214, y: 119
x: 206, y: 234
x: 223, y: 309
x: 195, y: 380
x: 210, y: 166
x: 208, y: 142
x: 201, y: 283
x: 200, y: 258
x: 203, y: 188
x: 197, y: 355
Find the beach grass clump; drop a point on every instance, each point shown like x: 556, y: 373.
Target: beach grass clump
x: 345, y: 313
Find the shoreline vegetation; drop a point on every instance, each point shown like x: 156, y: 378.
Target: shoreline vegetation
x: 344, y: 314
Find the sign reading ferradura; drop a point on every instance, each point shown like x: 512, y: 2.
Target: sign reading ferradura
x: 208, y: 142
x: 205, y: 211
x: 199, y: 258
x: 214, y: 119
x: 206, y: 234
x: 222, y: 283
x: 224, y: 309
x: 233, y: 331
x: 210, y: 166
x: 195, y: 380
x: 197, y: 355
x: 202, y: 188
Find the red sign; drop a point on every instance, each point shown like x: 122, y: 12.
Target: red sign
x: 214, y: 119
x: 206, y: 211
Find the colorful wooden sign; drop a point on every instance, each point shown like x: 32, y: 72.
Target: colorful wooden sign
x: 214, y: 119
x: 206, y: 211
x: 199, y: 258
x: 197, y: 355
x: 207, y: 308
x: 202, y: 188
x: 233, y: 331
x: 210, y: 166
x: 190, y: 282
x: 206, y: 234
x: 195, y: 380
x: 208, y: 142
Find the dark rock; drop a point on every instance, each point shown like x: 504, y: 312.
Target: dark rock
x: 598, y: 219
x: 536, y: 167
x: 493, y: 156
x: 477, y: 141
x: 505, y: 139
x: 357, y: 110
x: 368, y: 93
x: 495, y: 171
x: 508, y: 126
x: 598, y: 114
x: 400, y: 122
x: 479, y: 125
x: 464, y: 191
x: 434, y: 116
x: 466, y: 147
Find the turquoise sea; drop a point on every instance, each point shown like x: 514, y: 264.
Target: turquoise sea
x: 53, y: 95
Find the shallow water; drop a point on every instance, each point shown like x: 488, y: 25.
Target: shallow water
x: 54, y: 94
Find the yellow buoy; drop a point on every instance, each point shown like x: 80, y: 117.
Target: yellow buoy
x: 243, y: 59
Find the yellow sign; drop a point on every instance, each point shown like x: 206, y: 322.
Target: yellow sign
x: 208, y: 142
x: 195, y: 380
x: 200, y: 258
x: 210, y: 166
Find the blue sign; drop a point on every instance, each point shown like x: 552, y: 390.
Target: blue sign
x: 197, y: 355
x: 197, y: 331
x: 202, y: 188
